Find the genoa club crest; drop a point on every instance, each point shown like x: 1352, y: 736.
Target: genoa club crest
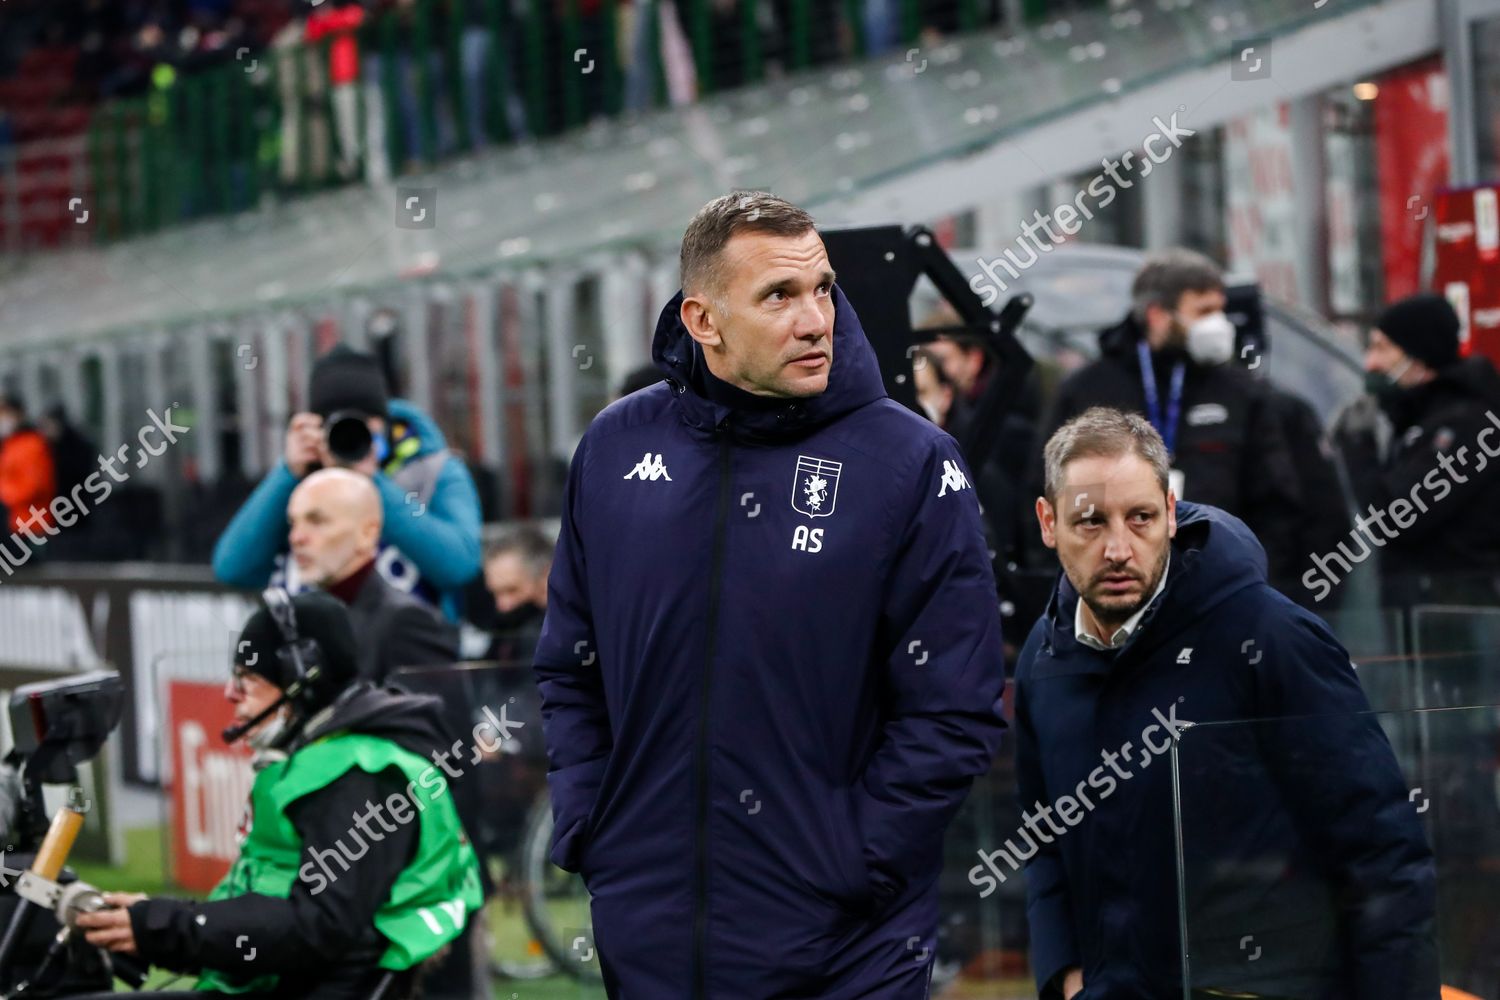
x: 816, y: 486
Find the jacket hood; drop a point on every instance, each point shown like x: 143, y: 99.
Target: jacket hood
x: 418, y: 421
x: 412, y: 721
x: 853, y: 379
x: 1214, y: 556
x: 1119, y: 340
x: 1472, y: 376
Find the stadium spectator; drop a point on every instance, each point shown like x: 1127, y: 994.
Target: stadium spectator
x: 515, y: 573
x: 339, y: 23
x: 963, y: 357
x: 1165, y: 360
x: 1164, y: 607
x: 937, y: 394
x: 335, y: 520
x: 27, y: 478
x: 430, y: 508
x: 477, y: 49
x: 659, y: 20
x: 326, y: 918
x: 74, y: 459
x: 301, y: 84
x: 852, y: 636
x: 1442, y: 409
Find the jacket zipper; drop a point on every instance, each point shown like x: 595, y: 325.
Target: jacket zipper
x: 700, y: 896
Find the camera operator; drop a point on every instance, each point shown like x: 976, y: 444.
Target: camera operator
x: 327, y: 895
x: 429, y: 545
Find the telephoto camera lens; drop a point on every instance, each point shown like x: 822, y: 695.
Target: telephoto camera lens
x: 349, y: 438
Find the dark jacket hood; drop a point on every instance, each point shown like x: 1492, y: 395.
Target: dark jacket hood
x: 1119, y: 342
x: 412, y: 721
x: 1214, y: 556
x: 1472, y: 376
x: 853, y: 380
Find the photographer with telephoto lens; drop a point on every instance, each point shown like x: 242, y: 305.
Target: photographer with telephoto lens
x: 429, y: 545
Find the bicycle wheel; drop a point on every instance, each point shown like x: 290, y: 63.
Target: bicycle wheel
x: 556, y: 902
x: 514, y: 951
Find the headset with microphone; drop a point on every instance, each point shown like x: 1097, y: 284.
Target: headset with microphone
x: 300, y: 657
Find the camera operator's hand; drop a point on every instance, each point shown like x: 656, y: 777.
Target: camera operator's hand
x: 110, y: 929
x: 304, y: 443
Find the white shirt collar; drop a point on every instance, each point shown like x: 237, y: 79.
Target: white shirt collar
x: 1083, y: 635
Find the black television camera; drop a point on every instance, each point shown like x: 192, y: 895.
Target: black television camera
x: 57, y: 725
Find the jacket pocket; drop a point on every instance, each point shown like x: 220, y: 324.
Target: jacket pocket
x: 853, y: 890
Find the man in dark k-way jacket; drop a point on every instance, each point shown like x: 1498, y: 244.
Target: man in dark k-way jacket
x: 771, y: 664
x: 1297, y: 831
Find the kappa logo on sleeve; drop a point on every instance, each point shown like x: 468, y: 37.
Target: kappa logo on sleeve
x: 953, y: 478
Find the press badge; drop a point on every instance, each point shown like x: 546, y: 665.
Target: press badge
x: 1175, y: 481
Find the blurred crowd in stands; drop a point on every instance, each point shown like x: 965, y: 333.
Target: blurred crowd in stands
x: 165, y: 110
x: 73, y: 54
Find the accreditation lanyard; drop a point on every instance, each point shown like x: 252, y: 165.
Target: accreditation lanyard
x: 1168, y: 428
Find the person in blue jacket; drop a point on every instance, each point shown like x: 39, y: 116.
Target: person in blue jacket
x: 429, y: 545
x: 771, y: 664
x: 1306, y: 870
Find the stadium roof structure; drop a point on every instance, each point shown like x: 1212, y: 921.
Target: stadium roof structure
x: 924, y: 132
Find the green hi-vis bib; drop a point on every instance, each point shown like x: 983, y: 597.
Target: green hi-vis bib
x: 430, y: 900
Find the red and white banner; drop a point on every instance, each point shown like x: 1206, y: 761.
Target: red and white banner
x: 210, y: 787
x: 1411, y: 153
x: 1467, y: 263
x: 1261, y: 200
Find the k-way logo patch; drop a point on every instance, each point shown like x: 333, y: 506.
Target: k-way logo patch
x: 815, y: 487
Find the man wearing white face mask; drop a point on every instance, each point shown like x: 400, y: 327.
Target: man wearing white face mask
x: 1166, y: 361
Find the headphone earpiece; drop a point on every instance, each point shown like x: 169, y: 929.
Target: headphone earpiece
x: 301, y: 658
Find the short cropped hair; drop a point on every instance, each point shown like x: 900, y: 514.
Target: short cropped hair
x: 1102, y: 432
x: 530, y: 544
x: 711, y: 229
x: 1167, y: 275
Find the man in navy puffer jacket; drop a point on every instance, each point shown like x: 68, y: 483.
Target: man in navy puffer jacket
x: 771, y: 664
x: 1307, y: 873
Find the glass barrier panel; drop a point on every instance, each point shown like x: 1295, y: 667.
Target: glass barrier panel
x: 1336, y: 855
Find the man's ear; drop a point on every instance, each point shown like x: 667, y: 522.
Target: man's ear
x: 1158, y: 323
x: 1046, y: 519
x: 1171, y: 514
x: 370, y: 533
x: 699, y: 320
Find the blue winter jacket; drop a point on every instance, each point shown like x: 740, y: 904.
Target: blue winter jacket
x: 429, y: 544
x: 1307, y: 873
x: 770, y: 669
